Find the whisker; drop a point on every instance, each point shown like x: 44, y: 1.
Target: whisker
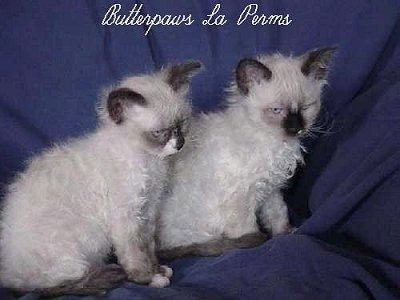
x: 325, y: 125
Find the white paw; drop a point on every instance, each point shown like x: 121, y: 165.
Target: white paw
x: 159, y: 281
x: 166, y: 271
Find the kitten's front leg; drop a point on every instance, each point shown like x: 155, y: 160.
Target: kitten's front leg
x: 162, y: 273
x: 132, y: 248
x: 133, y: 240
x: 271, y: 211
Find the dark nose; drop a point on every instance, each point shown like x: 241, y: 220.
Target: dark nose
x: 180, y: 140
x: 293, y: 123
x: 293, y: 131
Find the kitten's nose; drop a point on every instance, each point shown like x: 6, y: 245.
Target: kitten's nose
x: 293, y: 130
x: 180, y: 140
x: 293, y: 123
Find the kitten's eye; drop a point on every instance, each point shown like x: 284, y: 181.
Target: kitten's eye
x: 157, y: 133
x: 275, y: 110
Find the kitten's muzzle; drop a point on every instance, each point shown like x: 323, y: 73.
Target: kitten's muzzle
x: 180, y: 140
x: 293, y: 123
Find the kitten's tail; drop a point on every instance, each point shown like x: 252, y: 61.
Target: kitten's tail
x: 214, y: 247
x: 96, y: 282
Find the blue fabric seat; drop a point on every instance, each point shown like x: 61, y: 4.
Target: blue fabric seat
x: 55, y: 56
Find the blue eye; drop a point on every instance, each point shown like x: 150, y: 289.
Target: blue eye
x: 156, y: 133
x: 159, y: 133
x: 275, y: 110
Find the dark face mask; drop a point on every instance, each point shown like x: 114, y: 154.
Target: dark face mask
x: 293, y: 123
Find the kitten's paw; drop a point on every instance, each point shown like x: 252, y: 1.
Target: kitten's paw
x: 165, y: 271
x: 159, y: 281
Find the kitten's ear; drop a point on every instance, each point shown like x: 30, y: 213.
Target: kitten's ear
x: 119, y: 100
x: 178, y: 75
x: 250, y: 71
x: 315, y: 62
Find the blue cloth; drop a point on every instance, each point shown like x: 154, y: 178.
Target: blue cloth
x: 55, y: 56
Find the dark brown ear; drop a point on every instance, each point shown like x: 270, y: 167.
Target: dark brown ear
x: 250, y: 71
x: 315, y: 62
x: 120, y: 99
x: 178, y: 75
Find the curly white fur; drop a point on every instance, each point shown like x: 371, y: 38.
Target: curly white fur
x: 73, y: 202
x: 240, y: 157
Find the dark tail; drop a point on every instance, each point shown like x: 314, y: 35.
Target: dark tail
x: 96, y: 282
x: 214, y: 247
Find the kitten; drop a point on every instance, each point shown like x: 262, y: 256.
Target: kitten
x: 76, y: 201
x: 229, y: 179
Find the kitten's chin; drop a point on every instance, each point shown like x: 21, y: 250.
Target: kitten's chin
x: 169, y: 149
x: 167, y: 152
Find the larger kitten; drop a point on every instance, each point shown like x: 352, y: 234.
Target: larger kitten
x: 76, y: 201
x: 230, y: 177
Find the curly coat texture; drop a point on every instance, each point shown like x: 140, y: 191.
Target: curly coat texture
x: 75, y: 201
x: 239, y: 159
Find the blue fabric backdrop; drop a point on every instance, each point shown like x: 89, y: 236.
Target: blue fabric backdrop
x: 55, y: 56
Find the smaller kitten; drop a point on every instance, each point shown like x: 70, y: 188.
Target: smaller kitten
x: 229, y: 178
x: 76, y: 201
